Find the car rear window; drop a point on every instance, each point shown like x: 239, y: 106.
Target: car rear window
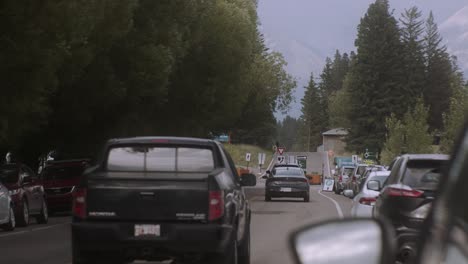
x: 288, y: 171
x: 62, y: 173
x: 423, y: 174
x: 9, y: 174
x: 160, y: 159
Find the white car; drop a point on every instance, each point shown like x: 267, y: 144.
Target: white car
x: 364, y: 201
x: 7, y: 217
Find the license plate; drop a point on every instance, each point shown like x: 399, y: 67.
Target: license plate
x: 147, y: 230
x: 286, y: 189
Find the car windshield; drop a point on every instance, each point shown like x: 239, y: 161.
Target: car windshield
x: 160, y: 159
x: 9, y: 174
x: 62, y: 173
x: 423, y: 174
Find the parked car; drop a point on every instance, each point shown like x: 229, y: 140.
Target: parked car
x: 369, y: 169
x: 7, y: 215
x: 26, y: 192
x: 442, y: 238
x: 407, y: 197
x: 353, y: 182
x: 59, y: 179
x: 287, y: 182
x: 157, y: 198
x: 364, y: 200
x: 342, y: 177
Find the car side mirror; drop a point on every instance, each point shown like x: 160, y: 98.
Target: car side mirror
x: 375, y: 240
x: 248, y: 180
x: 348, y: 193
x: 265, y: 177
x: 373, y: 185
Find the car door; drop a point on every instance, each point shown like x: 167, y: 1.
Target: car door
x: 29, y: 186
x: 4, y: 206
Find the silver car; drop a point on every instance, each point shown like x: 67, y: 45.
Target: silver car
x: 7, y: 216
x: 370, y: 187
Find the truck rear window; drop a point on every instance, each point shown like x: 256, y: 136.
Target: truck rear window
x: 160, y: 159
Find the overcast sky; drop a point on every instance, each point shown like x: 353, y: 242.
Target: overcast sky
x: 314, y: 29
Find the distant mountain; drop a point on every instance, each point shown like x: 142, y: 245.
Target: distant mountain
x: 302, y: 59
x: 455, y: 32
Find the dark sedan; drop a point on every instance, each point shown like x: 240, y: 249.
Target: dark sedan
x: 287, y: 182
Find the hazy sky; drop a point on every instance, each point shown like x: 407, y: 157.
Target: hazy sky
x: 314, y: 29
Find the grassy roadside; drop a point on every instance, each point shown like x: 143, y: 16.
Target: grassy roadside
x: 238, y: 152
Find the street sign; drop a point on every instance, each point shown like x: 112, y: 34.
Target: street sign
x: 281, y: 159
x: 247, y: 156
x: 261, y: 158
x: 328, y: 185
x: 281, y: 150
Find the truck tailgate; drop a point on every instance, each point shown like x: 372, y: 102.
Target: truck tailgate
x: 147, y: 199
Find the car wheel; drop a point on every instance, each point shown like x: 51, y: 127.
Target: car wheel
x: 23, y: 218
x: 267, y: 197
x: 43, y: 218
x: 244, y: 247
x: 10, y: 226
x: 307, y: 198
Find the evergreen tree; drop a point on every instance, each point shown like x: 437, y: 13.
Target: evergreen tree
x: 412, y: 29
x: 376, y: 79
x: 312, y: 117
x: 437, y: 92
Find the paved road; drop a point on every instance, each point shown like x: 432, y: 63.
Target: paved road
x: 271, y: 224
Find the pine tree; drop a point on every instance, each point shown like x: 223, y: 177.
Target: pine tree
x: 376, y: 79
x: 439, y: 70
x: 412, y: 29
x: 313, y: 118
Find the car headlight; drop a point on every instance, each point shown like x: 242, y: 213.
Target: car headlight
x: 14, y: 192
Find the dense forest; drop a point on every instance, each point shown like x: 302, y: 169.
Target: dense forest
x: 75, y: 73
x: 401, y: 91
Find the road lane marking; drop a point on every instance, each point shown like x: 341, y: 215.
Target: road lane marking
x: 33, y: 230
x: 338, y: 208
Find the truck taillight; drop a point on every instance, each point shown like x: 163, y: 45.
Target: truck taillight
x: 216, y: 205
x: 79, y: 203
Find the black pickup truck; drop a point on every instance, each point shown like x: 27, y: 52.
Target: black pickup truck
x: 160, y: 198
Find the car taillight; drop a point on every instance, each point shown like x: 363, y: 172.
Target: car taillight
x: 367, y: 200
x: 216, y: 205
x: 79, y: 203
x: 340, y: 179
x: 396, y: 192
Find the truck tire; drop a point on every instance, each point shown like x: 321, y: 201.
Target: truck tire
x: 244, y: 247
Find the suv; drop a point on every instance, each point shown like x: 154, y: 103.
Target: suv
x: 159, y: 198
x: 342, y: 178
x: 60, y: 179
x: 407, y: 197
x: 26, y: 192
x: 353, y: 183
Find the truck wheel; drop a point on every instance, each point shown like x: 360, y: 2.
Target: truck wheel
x: 43, y: 218
x: 228, y: 257
x: 23, y: 218
x: 244, y: 247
